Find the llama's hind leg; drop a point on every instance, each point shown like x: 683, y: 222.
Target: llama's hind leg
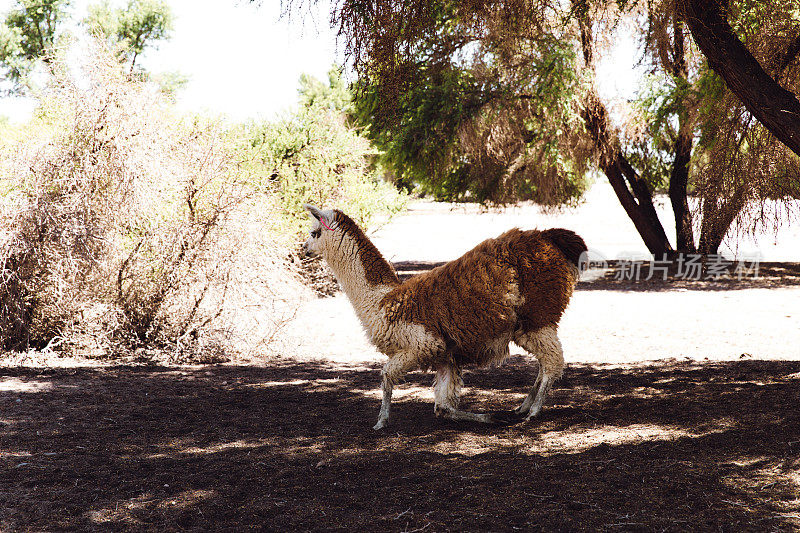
x: 393, y: 371
x: 446, y: 389
x: 543, y: 343
x: 523, y: 409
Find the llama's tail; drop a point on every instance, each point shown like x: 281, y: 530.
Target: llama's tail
x: 569, y: 242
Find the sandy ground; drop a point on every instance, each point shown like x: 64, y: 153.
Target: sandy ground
x: 600, y: 326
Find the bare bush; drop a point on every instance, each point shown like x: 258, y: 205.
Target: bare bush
x: 117, y: 233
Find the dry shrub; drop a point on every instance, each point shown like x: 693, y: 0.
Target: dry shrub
x: 318, y: 276
x: 124, y: 225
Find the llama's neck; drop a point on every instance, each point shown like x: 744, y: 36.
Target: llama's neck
x: 365, y: 276
x: 364, y: 296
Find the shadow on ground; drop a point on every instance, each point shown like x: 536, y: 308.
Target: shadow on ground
x: 667, y: 447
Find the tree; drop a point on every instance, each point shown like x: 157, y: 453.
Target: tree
x: 317, y: 157
x: 28, y: 34
x: 470, y: 92
x: 132, y: 29
x: 471, y: 133
x: 33, y: 28
x: 775, y: 107
x: 734, y: 164
x: 334, y: 96
x: 517, y: 113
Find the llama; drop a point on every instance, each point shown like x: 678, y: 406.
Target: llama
x: 466, y: 312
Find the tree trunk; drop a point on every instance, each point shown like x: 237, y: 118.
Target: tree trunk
x: 619, y: 173
x: 679, y: 176
x: 678, y: 181
x: 718, y: 216
x: 775, y: 107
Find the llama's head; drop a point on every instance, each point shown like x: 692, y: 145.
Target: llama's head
x: 346, y: 249
x: 322, y: 229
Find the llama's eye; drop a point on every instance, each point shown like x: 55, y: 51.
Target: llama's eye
x: 316, y: 233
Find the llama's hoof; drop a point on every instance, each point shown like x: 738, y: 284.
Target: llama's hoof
x: 506, y: 418
x: 380, y: 425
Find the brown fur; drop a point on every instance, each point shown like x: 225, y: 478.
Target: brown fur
x: 378, y: 271
x: 570, y: 244
x: 518, y: 282
x: 514, y: 287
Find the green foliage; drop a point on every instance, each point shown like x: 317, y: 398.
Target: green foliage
x: 657, y: 106
x: 314, y: 156
x: 29, y: 33
x: 732, y: 157
x: 33, y: 28
x: 468, y: 119
x: 419, y: 138
x: 335, y: 95
x: 131, y: 29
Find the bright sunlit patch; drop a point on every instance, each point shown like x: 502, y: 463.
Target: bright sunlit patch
x: 404, y: 392
x: 197, y: 450
x: 646, y: 392
x: 764, y: 479
x: 18, y: 385
x: 185, y: 499
x: 237, y: 444
x: 567, y: 441
x: 576, y: 441
x: 265, y: 384
x: 469, y: 445
x: 317, y: 383
x: 11, y: 455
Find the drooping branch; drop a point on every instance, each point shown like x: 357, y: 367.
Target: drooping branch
x: 775, y: 107
x: 619, y: 172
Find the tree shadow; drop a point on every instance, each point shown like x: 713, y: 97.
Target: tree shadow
x: 674, y: 446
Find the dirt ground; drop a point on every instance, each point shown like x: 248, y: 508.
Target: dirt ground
x: 678, y: 412
x: 673, y: 446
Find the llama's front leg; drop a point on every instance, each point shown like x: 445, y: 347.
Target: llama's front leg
x: 545, y: 346
x: 393, y: 371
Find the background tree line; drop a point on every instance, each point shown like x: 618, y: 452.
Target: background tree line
x: 497, y: 102
x: 127, y: 223
x: 33, y: 29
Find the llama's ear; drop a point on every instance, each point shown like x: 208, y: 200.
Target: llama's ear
x: 316, y: 213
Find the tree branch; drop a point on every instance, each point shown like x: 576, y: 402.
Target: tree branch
x: 775, y: 107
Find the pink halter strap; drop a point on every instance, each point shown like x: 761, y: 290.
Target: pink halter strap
x: 321, y: 221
